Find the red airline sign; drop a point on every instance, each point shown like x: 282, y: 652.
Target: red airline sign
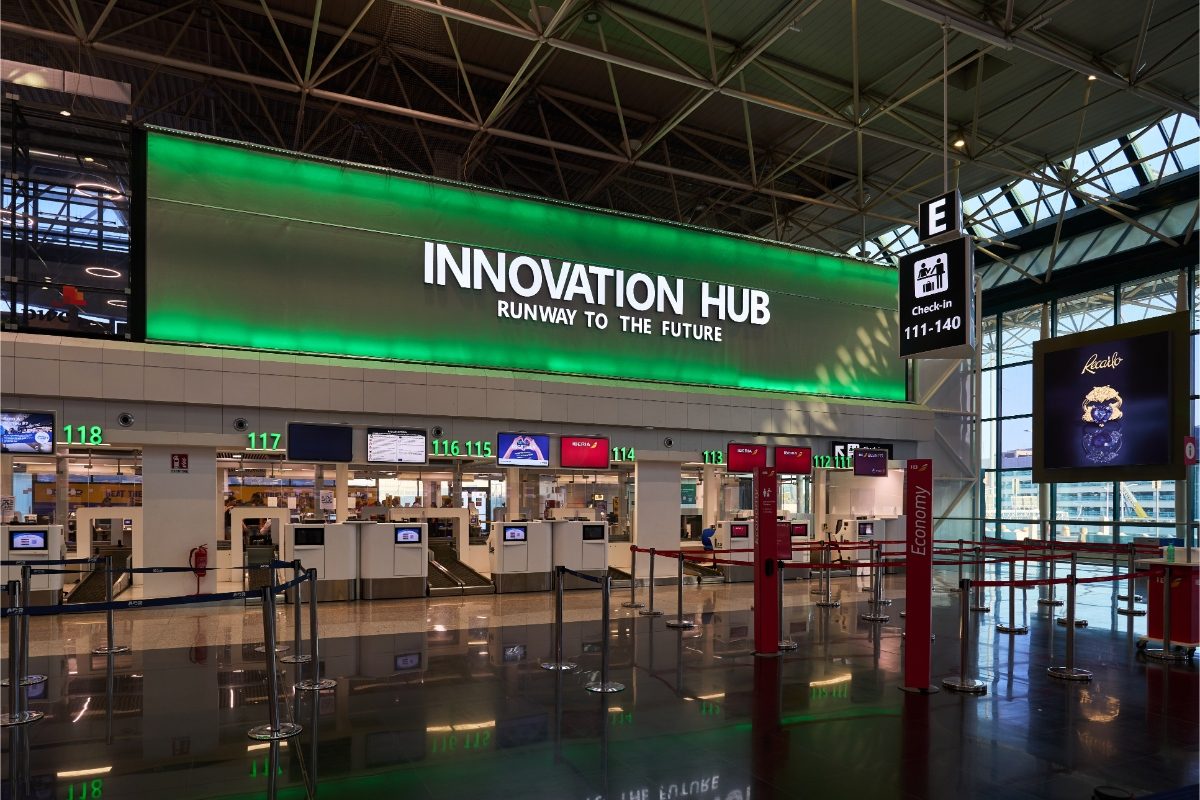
x: 583, y: 452
x: 793, y: 460
x: 745, y: 457
x: 918, y: 583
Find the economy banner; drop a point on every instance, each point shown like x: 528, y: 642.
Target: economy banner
x: 918, y: 573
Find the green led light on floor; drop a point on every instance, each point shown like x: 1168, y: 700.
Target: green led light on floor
x: 269, y: 251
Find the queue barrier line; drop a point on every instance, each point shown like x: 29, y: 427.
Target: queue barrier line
x: 577, y: 574
x: 1059, y: 581
x: 164, y: 570
x: 30, y: 563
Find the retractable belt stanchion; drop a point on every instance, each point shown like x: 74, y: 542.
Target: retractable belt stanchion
x: 980, y: 571
x: 1050, y: 599
x: 785, y: 643
x: 1012, y: 627
x: 17, y: 713
x: 1168, y: 651
x: 110, y: 620
x: 296, y: 657
x: 1129, y: 597
x: 650, y: 610
x: 961, y: 546
x: 1070, y: 618
x: 558, y: 662
x: 679, y: 621
x: 604, y: 685
x: 827, y: 558
x: 876, y: 601
x: 275, y: 729
x: 279, y: 648
x: 963, y: 683
x: 819, y: 589
x: 26, y: 678
x: 878, y: 597
x: 316, y: 682
x: 633, y: 601
x: 1069, y: 672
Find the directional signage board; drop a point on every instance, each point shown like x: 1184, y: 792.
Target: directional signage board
x: 940, y: 218
x: 936, y: 301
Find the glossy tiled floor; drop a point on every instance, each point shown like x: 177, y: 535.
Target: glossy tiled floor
x: 445, y: 699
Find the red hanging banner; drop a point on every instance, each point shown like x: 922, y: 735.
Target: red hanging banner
x: 766, y: 553
x: 918, y: 583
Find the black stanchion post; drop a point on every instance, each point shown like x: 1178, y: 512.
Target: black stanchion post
x: 604, y: 685
x: 1167, y: 652
x: 962, y: 683
x: 785, y: 642
x: 110, y: 615
x: 1130, y: 597
x: 819, y: 588
x: 275, y: 729
x: 633, y: 601
x: 679, y: 622
x: 980, y: 572
x: 650, y: 610
x: 1069, y: 672
x: 558, y: 663
x: 17, y: 713
x: 26, y: 678
x: 316, y: 683
x: 296, y: 657
x: 961, y: 545
x: 1050, y: 599
x: 876, y: 601
x: 827, y: 557
x: 1012, y: 627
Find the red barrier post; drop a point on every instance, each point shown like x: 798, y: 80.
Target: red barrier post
x: 918, y: 575
x: 766, y: 556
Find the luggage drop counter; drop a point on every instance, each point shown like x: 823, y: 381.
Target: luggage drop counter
x: 736, y: 534
x: 34, y: 543
x: 393, y: 560
x: 583, y: 547
x: 520, y: 556
x: 331, y: 550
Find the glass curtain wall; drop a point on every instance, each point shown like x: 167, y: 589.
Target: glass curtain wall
x: 1080, y: 512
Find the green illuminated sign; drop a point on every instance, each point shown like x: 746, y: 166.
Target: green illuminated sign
x: 83, y: 434
x: 453, y: 447
x: 406, y: 269
x: 624, y: 454
x: 833, y: 462
x: 453, y: 742
x: 713, y: 456
x: 264, y: 441
x: 86, y: 790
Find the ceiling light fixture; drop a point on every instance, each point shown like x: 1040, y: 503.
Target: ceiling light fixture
x: 65, y: 113
x: 118, y: 303
x: 99, y: 190
x: 103, y: 272
x: 960, y: 141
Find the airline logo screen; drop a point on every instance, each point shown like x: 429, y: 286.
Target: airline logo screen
x: 584, y: 452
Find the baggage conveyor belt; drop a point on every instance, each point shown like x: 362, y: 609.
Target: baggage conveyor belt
x: 449, y: 576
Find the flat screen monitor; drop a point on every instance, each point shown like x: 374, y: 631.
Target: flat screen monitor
x: 745, y: 457
x: 866, y: 530
x: 309, y: 537
x: 27, y: 540
x: 583, y: 452
x: 739, y: 530
x: 397, y: 446
x: 522, y: 450
x: 27, y: 432
x: 516, y: 533
x: 514, y: 652
x: 593, y: 533
x: 870, y: 462
x: 799, y: 530
x: 1112, y: 404
x: 405, y: 661
x: 793, y: 460
x: 408, y: 534
x: 320, y: 444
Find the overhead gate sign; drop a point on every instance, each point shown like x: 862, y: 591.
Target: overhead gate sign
x: 275, y: 251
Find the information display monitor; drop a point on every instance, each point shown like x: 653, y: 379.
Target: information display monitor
x: 516, y: 533
x: 309, y: 537
x: 523, y: 450
x: 793, y: 460
x: 593, y: 533
x: 408, y: 534
x: 866, y: 530
x: 799, y: 530
x: 320, y: 444
x: 870, y: 463
x: 397, y: 446
x: 739, y: 530
x: 27, y: 432
x: 27, y: 540
x: 583, y: 452
x: 745, y: 457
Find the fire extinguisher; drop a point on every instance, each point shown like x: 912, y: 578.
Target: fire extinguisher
x: 198, y: 561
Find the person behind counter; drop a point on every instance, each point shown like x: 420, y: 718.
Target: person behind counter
x: 706, y: 537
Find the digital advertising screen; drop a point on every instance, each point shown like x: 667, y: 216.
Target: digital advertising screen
x: 396, y: 446
x: 870, y: 463
x: 1111, y: 404
x: 745, y: 457
x: 320, y: 444
x: 27, y: 540
x: 516, y: 533
x: 523, y: 450
x: 739, y: 530
x: 793, y: 460
x: 27, y: 432
x: 408, y: 535
x: 583, y: 452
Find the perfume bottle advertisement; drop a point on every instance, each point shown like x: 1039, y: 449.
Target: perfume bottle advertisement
x: 1109, y: 404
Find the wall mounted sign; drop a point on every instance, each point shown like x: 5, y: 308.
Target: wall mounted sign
x: 793, y: 460
x: 940, y: 217
x: 402, y: 268
x: 846, y: 449
x: 745, y: 457
x: 870, y: 463
x: 937, y: 301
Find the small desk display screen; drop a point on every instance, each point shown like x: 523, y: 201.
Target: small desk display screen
x: 407, y: 661
x: 593, y: 533
x: 408, y: 535
x: 799, y: 530
x: 516, y: 533
x: 27, y: 540
x: 26, y: 432
x: 310, y: 537
x: 866, y: 530
x: 396, y: 446
x: 522, y: 450
x: 739, y: 530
